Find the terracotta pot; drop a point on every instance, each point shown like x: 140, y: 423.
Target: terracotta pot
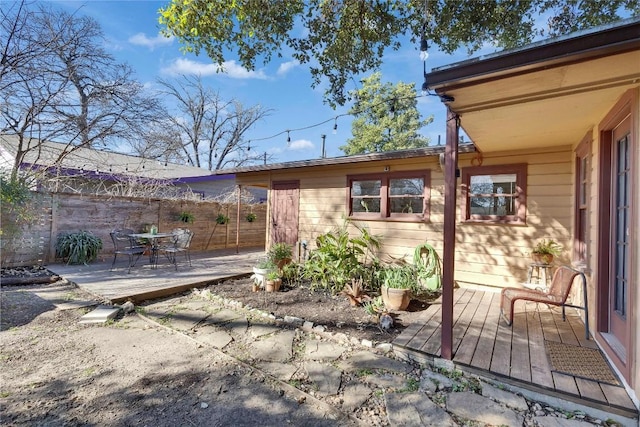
x: 272, y: 285
x: 395, y: 299
x: 542, y: 258
x: 282, y: 262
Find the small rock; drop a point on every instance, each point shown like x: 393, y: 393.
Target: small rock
x: 385, y: 346
x: 204, y: 405
x: 319, y: 328
x: 307, y: 325
x: 293, y: 320
x: 128, y: 307
x: 367, y: 343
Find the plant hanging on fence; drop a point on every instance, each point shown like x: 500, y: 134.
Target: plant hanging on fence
x: 251, y: 217
x: 187, y: 217
x: 222, y: 219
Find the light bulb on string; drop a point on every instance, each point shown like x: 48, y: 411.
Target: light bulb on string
x: 288, y: 138
x: 249, y: 146
x: 335, y: 126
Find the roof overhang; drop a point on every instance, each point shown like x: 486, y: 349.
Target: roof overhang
x: 549, y: 93
x: 345, y: 160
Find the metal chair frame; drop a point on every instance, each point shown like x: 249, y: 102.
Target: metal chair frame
x: 557, y: 295
x: 124, y: 244
x: 181, y: 242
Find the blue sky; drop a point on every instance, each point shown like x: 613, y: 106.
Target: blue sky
x: 132, y: 32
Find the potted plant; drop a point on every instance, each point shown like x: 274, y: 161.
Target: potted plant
x: 186, y: 216
x: 251, y: 217
x: 545, y: 250
x: 273, y: 281
x: 397, y: 284
x: 428, y: 267
x: 78, y: 248
x: 222, y: 219
x: 280, y: 254
x: 261, y: 270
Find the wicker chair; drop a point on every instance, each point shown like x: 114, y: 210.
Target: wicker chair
x: 556, y: 295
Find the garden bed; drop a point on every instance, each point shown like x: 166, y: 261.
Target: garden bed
x: 332, y: 311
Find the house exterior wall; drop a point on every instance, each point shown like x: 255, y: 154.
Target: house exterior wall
x: 491, y: 255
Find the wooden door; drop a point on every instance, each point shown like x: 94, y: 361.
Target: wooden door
x: 285, y: 197
x: 620, y: 277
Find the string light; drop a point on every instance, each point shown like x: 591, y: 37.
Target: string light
x: 249, y: 146
x: 425, y: 92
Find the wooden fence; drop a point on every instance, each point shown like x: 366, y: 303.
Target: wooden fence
x: 60, y: 213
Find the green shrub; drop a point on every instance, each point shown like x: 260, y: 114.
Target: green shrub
x: 78, y: 248
x: 222, y: 219
x: 338, y: 258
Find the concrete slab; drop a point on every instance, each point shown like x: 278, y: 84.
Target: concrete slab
x: 185, y: 320
x: 70, y: 305
x: 325, y: 377
x: 434, y: 381
x: 282, y: 371
x: 368, y: 360
x: 474, y: 407
x: 262, y: 329
x: 238, y: 326
x: 415, y: 409
x: 354, y: 395
x: 223, y: 316
x: 213, y: 337
x: 100, y: 315
x: 322, y: 350
x: 507, y: 398
x: 274, y: 349
x: 386, y: 380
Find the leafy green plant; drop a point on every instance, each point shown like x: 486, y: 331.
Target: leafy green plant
x: 266, y: 264
x: 187, y: 217
x: 374, y: 306
x: 78, y: 248
x: 222, y: 219
x: 338, y: 258
x: 428, y: 267
x: 280, y: 251
x: 273, y: 275
x: 399, y: 276
x: 547, y: 247
x: 251, y: 217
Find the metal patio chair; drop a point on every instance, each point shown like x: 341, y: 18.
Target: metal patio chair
x: 180, y: 244
x: 125, y: 244
x: 557, y: 295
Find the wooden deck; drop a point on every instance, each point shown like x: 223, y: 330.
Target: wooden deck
x: 145, y: 282
x: 484, y: 345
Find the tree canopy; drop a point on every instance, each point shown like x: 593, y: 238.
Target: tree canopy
x: 341, y: 39
x: 386, y: 118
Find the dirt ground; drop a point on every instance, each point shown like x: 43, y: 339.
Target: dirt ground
x: 332, y: 311
x: 55, y: 371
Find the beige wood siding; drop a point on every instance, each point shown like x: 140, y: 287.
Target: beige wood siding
x: 494, y: 255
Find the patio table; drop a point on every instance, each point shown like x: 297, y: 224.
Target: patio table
x: 153, y: 239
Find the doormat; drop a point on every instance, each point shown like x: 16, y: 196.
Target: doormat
x: 583, y: 362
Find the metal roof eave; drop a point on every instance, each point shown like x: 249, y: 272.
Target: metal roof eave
x: 359, y: 158
x: 620, y: 37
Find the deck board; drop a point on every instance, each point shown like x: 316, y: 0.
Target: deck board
x: 469, y: 342
x: 540, y: 366
x: 485, y: 345
x: 483, y: 342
